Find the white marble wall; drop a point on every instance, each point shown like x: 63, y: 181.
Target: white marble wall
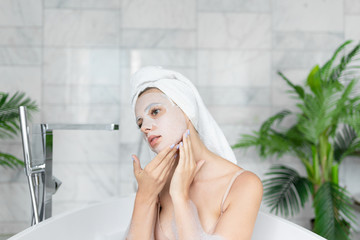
x: 74, y: 57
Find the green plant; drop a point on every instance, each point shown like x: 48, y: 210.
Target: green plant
x: 326, y: 130
x: 9, y: 122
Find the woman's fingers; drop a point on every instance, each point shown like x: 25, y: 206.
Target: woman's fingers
x: 187, y: 148
x: 167, y: 170
x: 166, y: 161
x: 159, y: 158
x: 182, y: 157
x: 136, y: 165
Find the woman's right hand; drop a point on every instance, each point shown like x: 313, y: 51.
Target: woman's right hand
x: 152, y: 178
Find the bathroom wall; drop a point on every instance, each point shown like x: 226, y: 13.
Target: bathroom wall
x: 74, y: 58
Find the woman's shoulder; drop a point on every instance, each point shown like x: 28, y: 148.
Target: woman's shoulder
x: 241, y: 186
x: 247, y: 184
x: 246, y: 175
x: 242, y: 179
x: 248, y: 179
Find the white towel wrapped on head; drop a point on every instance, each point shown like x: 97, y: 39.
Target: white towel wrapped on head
x: 183, y: 92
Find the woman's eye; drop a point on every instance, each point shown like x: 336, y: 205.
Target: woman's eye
x: 154, y: 112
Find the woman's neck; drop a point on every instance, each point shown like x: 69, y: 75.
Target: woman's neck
x: 200, y: 152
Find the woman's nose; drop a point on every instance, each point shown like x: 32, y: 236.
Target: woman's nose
x: 145, y: 129
x: 146, y: 126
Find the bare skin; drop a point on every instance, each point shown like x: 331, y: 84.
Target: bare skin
x: 198, y: 175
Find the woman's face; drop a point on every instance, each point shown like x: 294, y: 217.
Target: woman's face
x: 161, y: 121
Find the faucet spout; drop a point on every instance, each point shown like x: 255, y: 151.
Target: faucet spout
x: 38, y: 165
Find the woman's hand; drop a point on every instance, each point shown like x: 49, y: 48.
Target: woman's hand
x: 185, y: 171
x: 152, y: 178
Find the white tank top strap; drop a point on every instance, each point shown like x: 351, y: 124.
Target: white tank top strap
x: 229, y: 187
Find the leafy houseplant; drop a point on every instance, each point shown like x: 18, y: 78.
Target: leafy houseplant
x: 326, y: 130
x: 9, y: 122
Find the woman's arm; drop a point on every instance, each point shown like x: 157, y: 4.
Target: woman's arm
x: 143, y: 218
x: 241, y: 210
x: 151, y: 181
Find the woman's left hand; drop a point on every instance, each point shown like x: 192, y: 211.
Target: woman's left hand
x: 185, y: 171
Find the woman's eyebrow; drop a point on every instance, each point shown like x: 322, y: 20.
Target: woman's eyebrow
x: 147, y: 109
x: 150, y: 105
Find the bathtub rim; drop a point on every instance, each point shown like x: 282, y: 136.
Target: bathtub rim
x: 264, y: 216
x: 69, y: 212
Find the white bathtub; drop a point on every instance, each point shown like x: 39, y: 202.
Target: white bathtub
x: 109, y: 220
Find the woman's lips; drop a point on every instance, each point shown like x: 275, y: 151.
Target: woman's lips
x: 153, y: 140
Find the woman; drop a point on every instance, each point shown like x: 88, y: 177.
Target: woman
x: 192, y: 188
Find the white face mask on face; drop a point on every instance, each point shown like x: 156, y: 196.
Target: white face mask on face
x: 162, y: 121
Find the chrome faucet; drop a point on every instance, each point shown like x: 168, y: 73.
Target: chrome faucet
x: 38, y: 161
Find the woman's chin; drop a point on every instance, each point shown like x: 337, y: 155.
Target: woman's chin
x: 163, y: 144
x: 155, y: 151
x: 159, y: 147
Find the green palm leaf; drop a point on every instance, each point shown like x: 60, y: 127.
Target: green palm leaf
x: 298, y: 89
x: 316, y: 116
x: 277, y: 118
x: 299, y: 145
x: 322, y: 112
x: 314, y: 80
x: 247, y: 140
x: 267, y: 145
x: 338, y: 71
x: 9, y: 121
x: 353, y: 120
x: 285, y: 191
x: 346, y: 143
x: 341, y: 103
x: 10, y: 161
x: 332, y: 210
x: 267, y: 141
x: 327, y: 68
x: 9, y: 112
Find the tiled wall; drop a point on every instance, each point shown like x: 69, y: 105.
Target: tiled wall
x: 74, y: 58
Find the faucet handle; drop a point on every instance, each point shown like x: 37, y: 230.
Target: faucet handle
x: 57, y: 183
x: 53, y: 186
